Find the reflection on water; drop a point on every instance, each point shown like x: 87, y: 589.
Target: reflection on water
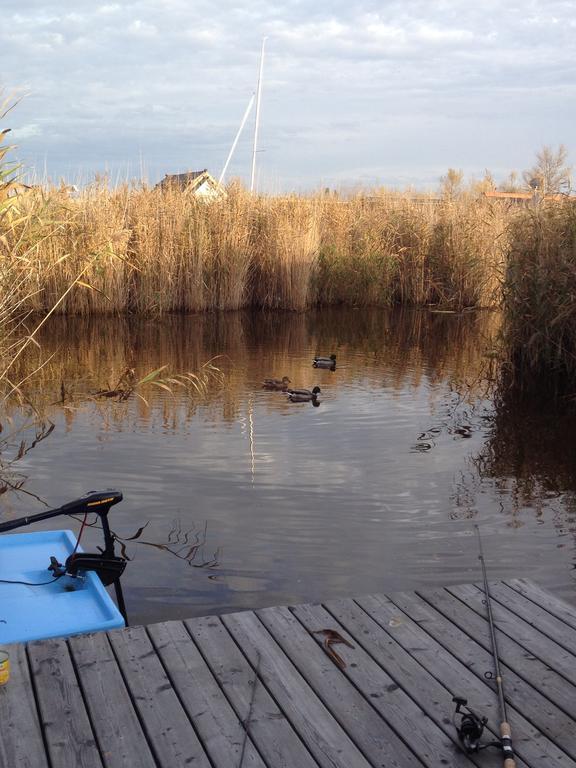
x: 374, y: 490
x: 531, y: 456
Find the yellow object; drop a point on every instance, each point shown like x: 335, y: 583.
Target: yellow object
x: 4, y: 667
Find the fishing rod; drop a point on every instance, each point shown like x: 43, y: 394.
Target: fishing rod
x: 472, y: 725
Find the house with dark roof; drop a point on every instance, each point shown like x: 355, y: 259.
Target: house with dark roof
x: 197, y: 183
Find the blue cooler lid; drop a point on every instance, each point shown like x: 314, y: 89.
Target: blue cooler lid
x: 67, y: 606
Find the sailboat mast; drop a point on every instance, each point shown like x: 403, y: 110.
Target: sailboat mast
x: 259, y: 93
x: 233, y: 147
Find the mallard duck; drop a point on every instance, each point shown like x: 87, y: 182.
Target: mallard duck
x: 303, y: 395
x: 279, y: 384
x: 324, y: 362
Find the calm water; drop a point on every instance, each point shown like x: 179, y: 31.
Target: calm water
x: 375, y: 490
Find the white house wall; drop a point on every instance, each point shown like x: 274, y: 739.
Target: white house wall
x: 206, y: 190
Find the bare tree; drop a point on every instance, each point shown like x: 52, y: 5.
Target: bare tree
x: 511, y: 183
x: 451, y: 183
x: 550, y: 172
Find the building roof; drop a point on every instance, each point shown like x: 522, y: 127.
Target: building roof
x: 521, y: 196
x: 191, y: 181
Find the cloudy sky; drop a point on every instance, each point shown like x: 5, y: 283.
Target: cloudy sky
x: 355, y: 93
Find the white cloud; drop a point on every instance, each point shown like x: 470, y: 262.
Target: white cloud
x: 311, y: 33
x: 435, y: 34
x: 348, y: 84
x: 206, y: 35
x: 141, y: 28
x: 386, y: 33
x: 26, y: 131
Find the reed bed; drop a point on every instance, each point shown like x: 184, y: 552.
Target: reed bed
x: 540, y: 300
x: 151, y: 251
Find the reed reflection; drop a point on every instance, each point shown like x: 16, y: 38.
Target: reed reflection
x: 373, y: 490
x: 531, y: 456
x: 88, y: 356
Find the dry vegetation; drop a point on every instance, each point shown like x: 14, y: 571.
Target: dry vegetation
x: 540, y: 299
x: 136, y: 250
x: 151, y: 252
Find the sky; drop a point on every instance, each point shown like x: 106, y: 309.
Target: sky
x: 355, y: 93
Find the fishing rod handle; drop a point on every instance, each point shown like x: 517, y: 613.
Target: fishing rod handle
x: 506, y: 738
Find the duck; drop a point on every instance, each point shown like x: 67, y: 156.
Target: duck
x: 278, y: 384
x: 303, y: 395
x: 324, y: 362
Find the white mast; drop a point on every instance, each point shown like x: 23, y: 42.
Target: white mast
x: 259, y: 92
x: 248, y: 108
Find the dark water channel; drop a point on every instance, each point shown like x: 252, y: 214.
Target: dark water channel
x: 256, y: 501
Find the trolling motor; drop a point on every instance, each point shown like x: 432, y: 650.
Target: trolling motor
x: 107, y: 564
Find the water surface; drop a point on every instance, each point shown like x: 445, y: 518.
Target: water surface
x: 260, y: 502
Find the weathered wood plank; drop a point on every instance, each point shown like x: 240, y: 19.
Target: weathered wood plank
x: 118, y: 731
x: 170, y: 733
x: 537, y: 617
x: 65, y: 722
x: 221, y: 732
x: 437, y: 661
x: 465, y: 675
x: 544, y: 599
x: 18, y: 716
x: 258, y: 690
x: 324, y: 737
x: 373, y: 735
x: 275, y: 738
x: 538, y: 645
x: 422, y: 703
x: 531, y: 687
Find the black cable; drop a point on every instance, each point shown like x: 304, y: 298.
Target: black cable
x: 45, y: 583
x: 31, y: 584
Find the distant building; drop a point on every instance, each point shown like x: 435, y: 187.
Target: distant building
x: 523, y: 197
x: 197, y: 183
x: 70, y: 189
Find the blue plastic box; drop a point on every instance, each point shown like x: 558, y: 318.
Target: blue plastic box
x: 69, y: 606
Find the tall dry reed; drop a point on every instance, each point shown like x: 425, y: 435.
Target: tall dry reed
x: 540, y: 298
x: 467, y: 251
x: 169, y: 247
x: 359, y: 259
x: 285, y: 245
x: 149, y: 251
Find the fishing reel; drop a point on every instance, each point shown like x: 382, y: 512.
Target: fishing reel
x: 471, y: 726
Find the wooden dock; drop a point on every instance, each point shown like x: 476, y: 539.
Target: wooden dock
x: 259, y: 689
